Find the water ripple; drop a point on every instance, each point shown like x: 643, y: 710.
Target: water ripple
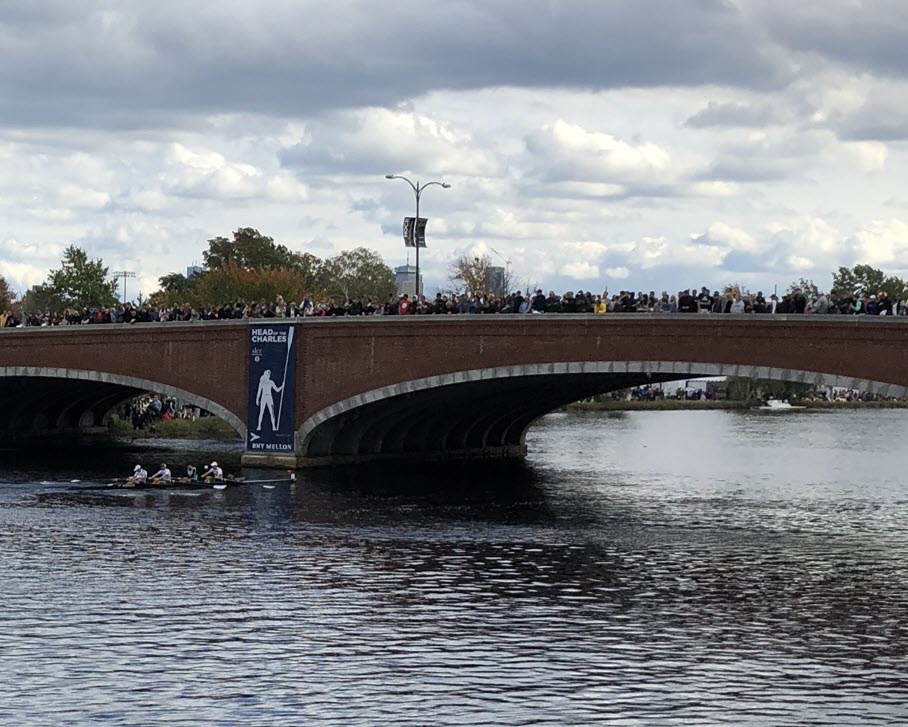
x: 599, y: 588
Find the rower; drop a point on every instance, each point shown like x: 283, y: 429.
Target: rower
x: 192, y: 475
x: 139, y: 477
x: 213, y: 473
x: 162, y: 475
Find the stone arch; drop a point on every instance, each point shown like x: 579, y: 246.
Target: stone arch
x: 77, y: 398
x: 487, y: 412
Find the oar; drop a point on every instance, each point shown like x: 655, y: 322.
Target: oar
x: 266, y: 484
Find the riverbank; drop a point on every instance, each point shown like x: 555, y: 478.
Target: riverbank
x: 202, y: 428
x: 681, y: 405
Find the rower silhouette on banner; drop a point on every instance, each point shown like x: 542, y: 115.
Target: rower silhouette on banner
x: 264, y: 400
x: 270, y: 424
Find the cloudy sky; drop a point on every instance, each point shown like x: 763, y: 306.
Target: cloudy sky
x: 593, y: 143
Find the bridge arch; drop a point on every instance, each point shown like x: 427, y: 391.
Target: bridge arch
x: 487, y: 412
x: 34, y: 399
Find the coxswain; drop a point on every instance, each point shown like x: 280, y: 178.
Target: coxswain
x: 162, y: 475
x: 192, y: 474
x: 139, y: 477
x: 213, y: 473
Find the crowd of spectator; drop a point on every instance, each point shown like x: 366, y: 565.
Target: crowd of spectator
x: 686, y: 301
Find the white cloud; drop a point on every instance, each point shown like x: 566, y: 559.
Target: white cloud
x: 566, y: 152
x: 870, y: 156
x: 883, y: 243
x: 649, y: 252
x: 379, y: 141
x: 799, y: 263
x: 21, y: 276
x: 722, y: 235
x: 73, y: 196
x: 580, y: 271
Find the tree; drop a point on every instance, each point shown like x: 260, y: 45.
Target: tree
x: 41, y: 298
x: 864, y: 280
x: 176, y: 289
x: 231, y: 283
x: 806, y: 287
x: 79, y: 282
x: 472, y: 273
x: 358, y: 273
x: 745, y: 389
x: 7, y: 296
x: 248, y: 249
x: 310, y: 270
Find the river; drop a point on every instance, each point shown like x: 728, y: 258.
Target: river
x: 645, y: 568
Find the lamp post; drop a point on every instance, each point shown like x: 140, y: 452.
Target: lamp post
x: 418, y: 189
x: 123, y: 274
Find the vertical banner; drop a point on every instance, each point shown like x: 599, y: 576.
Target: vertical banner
x: 420, y: 232
x: 271, y: 413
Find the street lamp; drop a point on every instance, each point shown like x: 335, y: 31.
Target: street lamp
x: 117, y: 274
x: 418, y: 189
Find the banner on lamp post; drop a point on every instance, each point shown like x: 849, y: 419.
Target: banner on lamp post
x: 420, y: 232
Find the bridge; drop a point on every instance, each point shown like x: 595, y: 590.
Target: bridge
x: 423, y: 387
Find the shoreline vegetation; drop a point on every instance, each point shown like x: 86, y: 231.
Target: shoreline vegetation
x: 214, y: 428
x: 682, y: 405
x: 201, y: 428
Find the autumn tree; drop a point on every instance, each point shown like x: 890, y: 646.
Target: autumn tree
x: 231, y: 283
x: 472, y: 273
x: 7, y: 297
x: 310, y: 270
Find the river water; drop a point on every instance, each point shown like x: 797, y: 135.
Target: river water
x: 688, y: 568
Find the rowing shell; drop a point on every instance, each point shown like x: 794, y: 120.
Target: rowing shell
x: 177, y: 485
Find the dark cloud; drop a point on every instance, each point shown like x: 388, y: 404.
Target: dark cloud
x: 742, y: 169
x: 868, y: 36
x: 733, y: 114
x: 767, y: 158
x: 133, y: 63
x: 882, y: 117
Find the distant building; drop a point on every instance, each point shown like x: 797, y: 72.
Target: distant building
x: 194, y: 270
x: 405, y: 278
x: 497, y: 282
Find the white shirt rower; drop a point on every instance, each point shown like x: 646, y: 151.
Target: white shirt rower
x: 162, y: 475
x: 214, y: 472
x: 138, y: 475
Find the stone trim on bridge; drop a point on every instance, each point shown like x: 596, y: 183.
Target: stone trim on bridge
x: 130, y: 382
x: 682, y: 370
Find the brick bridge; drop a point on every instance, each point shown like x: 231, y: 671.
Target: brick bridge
x: 427, y: 387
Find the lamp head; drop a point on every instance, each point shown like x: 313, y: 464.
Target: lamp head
x: 445, y: 185
x: 389, y: 176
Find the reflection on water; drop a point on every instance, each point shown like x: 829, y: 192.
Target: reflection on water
x: 645, y: 568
